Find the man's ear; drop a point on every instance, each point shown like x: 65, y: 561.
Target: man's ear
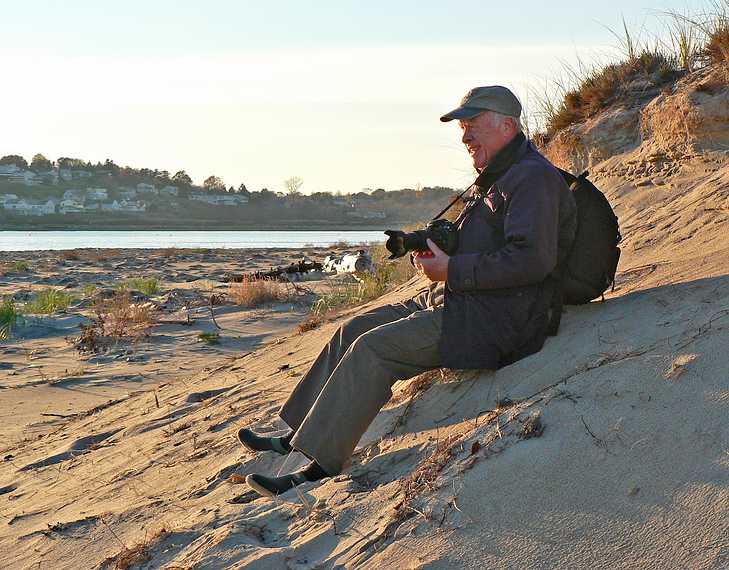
x: 509, y: 126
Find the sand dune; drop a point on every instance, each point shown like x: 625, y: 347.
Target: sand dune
x: 607, y: 449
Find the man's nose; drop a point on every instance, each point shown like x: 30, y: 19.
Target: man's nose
x: 466, y: 136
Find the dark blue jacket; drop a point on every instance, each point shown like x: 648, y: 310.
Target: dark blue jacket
x: 511, y: 237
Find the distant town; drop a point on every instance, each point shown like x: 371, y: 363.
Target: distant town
x: 75, y: 194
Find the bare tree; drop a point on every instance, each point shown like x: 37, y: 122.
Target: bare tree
x: 292, y: 185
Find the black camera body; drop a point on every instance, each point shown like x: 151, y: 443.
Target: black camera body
x: 443, y: 233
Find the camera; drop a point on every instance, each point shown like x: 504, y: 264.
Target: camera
x: 443, y: 233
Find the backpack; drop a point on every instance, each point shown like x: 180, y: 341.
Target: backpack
x: 590, y: 266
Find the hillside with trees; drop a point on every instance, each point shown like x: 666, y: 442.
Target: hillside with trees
x: 70, y: 193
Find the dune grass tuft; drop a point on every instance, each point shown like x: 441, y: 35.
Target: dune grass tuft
x: 690, y: 41
x: 14, y: 267
x: 146, y: 285
x: 8, y: 317
x: 600, y: 88
x: 255, y: 292
x: 116, y: 319
x: 717, y: 48
x: 209, y: 337
x: 49, y: 301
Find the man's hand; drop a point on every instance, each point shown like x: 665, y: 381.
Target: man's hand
x: 435, y: 266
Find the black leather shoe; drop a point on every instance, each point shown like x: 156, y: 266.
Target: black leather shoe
x: 255, y: 442
x: 272, y: 486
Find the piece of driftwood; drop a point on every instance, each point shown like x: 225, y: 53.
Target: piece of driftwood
x: 276, y: 273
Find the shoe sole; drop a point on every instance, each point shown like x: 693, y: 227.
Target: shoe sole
x: 259, y: 488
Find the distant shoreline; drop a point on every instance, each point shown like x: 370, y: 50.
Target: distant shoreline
x: 203, y: 226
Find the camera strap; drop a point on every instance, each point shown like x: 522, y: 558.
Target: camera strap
x: 449, y: 206
x: 494, y: 170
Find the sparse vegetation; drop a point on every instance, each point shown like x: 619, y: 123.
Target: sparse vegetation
x: 602, y: 87
x: 14, y: 267
x: 123, y: 319
x: 116, y: 319
x: 135, y: 555
x: 717, y: 49
x: 387, y: 275
x: 8, y: 317
x: 209, y: 337
x: 532, y: 426
x: 19, y: 266
x: 582, y: 92
x: 716, y: 28
x: 49, y: 301
x: 147, y: 285
x: 255, y: 292
x: 89, y: 290
x: 312, y: 321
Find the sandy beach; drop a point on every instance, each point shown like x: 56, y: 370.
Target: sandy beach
x: 609, y: 448
x: 47, y: 374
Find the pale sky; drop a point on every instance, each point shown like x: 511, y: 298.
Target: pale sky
x: 345, y: 94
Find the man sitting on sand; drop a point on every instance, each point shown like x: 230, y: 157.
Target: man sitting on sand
x: 517, y: 226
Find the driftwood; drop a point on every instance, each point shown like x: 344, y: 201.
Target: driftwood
x: 275, y: 273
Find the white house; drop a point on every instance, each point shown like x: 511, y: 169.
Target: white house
x: 25, y: 208
x: 4, y: 198
x: 144, y: 188
x: 70, y: 206
x: 97, y: 194
x: 168, y: 191
x: 123, y: 206
x: 132, y: 206
x: 220, y: 199
x: 65, y: 174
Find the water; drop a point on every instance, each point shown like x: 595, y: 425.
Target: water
x: 35, y: 240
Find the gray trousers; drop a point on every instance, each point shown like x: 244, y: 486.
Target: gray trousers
x: 352, y: 377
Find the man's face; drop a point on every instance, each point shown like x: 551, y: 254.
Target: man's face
x: 484, y: 136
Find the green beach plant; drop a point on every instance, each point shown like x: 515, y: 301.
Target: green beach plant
x: 146, y: 285
x: 49, y: 301
x: 14, y: 267
x: 209, y: 338
x: 8, y: 317
x: 20, y: 266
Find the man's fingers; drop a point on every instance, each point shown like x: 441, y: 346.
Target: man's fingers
x: 434, y: 248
